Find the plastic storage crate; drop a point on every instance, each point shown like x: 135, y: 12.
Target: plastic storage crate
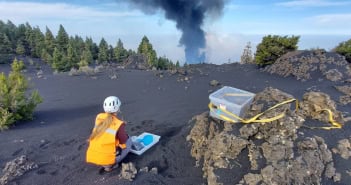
x: 231, y: 99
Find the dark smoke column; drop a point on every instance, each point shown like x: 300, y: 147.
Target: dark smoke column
x: 189, y: 17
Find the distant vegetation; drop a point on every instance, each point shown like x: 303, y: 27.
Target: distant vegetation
x: 63, y: 52
x: 246, y: 57
x: 274, y: 46
x: 14, y: 104
x: 344, y: 48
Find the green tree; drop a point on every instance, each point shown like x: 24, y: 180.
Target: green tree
x: 20, y: 48
x: 94, y: 49
x: 110, y: 53
x: 344, y: 48
x: 14, y: 103
x: 30, y: 38
x: 78, y: 45
x: 246, y: 57
x: 273, y: 47
x: 119, y: 52
x: 145, y: 48
x: 5, y: 44
x: 57, y: 59
x: 177, y: 64
x: 62, y: 39
x: 163, y: 63
x: 45, y: 55
x: 21, y: 37
x: 72, y: 60
x: 10, y: 31
x: 103, y: 51
x: 5, y: 49
x: 49, y: 41
x: 39, y: 40
x: 86, y: 58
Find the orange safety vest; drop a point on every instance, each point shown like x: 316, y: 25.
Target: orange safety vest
x: 102, y: 150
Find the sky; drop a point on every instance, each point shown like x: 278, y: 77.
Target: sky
x: 319, y: 23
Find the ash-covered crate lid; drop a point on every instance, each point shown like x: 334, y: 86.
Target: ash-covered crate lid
x: 229, y: 100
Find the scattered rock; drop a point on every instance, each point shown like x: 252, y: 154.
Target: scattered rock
x: 252, y: 179
x: 145, y: 169
x: 337, y: 177
x: 254, y: 155
x: 154, y: 170
x: 305, y: 65
x: 333, y: 75
x: 346, y: 89
x: 40, y: 74
x: 112, y: 77
x: 128, y: 171
x: 224, y: 146
x: 180, y: 71
x: 159, y: 74
x: 273, y: 149
x: 281, y: 130
x: 137, y: 61
x: 343, y: 148
x: 16, y: 168
x: 214, y: 83
x: 313, y: 104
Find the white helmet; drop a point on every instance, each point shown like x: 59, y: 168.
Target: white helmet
x: 112, y: 104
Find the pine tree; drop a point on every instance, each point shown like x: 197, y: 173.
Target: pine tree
x: 62, y: 39
x: 87, y: 57
x: 49, y: 41
x: 163, y: 63
x: 146, y: 48
x: 5, y: 44
x: 39, y: 39
x: 78, y: 45
x: 247, y: 57
x: 94, y: 50
x: 103, y: 51
x: 46, y: 56
x: 10, y: 32
x: 110, y: 53
x: 30, y: 39
x: 20, y: 48
x: 57, y: 60
x: 119, y: 52
x: 14, y: 103
x: 71, y: 57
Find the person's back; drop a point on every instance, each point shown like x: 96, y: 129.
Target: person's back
x: 108, y: 137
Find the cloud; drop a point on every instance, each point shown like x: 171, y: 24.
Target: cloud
x: 313, y: 3
x: 342, y: 19
x: 224, y: 48
x: 232, y: 7
x: 19, y: 11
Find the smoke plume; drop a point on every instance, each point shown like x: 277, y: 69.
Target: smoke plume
x: 189, y: 16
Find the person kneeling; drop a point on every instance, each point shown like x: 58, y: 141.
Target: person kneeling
x: 109, y: 143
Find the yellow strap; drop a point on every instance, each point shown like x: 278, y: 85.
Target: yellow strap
x: 236, y: 94
x: 335, y: 124
x: 331, y: 120
x: 253, y: 119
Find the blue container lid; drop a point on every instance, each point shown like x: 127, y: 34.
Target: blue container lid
x: 147, y: 139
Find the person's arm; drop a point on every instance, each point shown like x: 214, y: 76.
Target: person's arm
x: 122, y: 134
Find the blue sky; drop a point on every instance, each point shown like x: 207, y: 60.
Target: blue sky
x: 320, y: 23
